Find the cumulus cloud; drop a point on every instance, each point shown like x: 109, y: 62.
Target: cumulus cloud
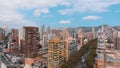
x: 38, y: 12
x: 9, y: 9
x: 89, y: 5
x: 91, y: 17
x: 65, y: 11
x: 10, y: 15
x: 65, y: 21
x: 48, y: 16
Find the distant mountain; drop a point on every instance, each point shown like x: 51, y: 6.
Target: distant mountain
x: 117, y: 27
x: 86, y: 29
x: 89, y: 29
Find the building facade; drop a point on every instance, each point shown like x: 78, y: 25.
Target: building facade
x: 71, y: 47
x: 56, y: 53
x: 29, y: 42
x: 118, y: 40
x: 80, y: 38
x: 2, y: 35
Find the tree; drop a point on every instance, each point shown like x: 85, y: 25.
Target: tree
x: 74, y: 59
x: 92, y: 54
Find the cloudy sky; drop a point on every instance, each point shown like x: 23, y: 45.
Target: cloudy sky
x: 59, y: 13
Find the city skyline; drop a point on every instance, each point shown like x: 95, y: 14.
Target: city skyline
x: 59, y: 13
x: 46, y: 47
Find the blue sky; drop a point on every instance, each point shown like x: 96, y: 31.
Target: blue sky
x: 59, y: 13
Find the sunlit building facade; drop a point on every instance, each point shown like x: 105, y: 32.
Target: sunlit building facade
x: 56, y: 53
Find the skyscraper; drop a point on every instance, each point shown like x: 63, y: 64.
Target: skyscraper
x: 80, y: 38
x: 21, y: 37
x: 45, y: 41
x: 65, y: 33
x: 93, y: 32
x: 42, y: 30
x: 5, y: 28
x: 13, y: 40
x: 71, y: 47
x: 29, y: 43
x: 2, y: 35
x: 48, y: 30
x: 102, y: 28
x: 56, y: 53
x: 14, y: 35
x: 118, y: 40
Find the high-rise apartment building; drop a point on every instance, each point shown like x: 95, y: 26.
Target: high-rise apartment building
x: 13, y: 41
x: 102, y: 28
x: 42, y: 30
x: 29, y: 41
x: 2, y: 35
x: 56, y: 53
x: 5, y: 28
x: 48, y: 30
x: 114, y: 37
x: 93, y: 32
x: 73, y: 33
x: 65, y: 34
x: 71, y: 47
x: 118, y: 40
x: 45, y: 41
x: 21, y: 38
x: 14, y: 35
x: 80, y: 38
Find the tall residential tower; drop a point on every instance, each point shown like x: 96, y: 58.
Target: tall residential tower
x: 56, y: 53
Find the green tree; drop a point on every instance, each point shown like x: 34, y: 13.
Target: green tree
x: 74, y: 59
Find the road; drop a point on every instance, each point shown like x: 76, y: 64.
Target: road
x: 3, y: 58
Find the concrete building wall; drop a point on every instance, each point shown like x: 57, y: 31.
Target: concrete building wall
x: 118, y: 43
x: 118, y: 40
x: 31, y: 41
x: 2, y: 35
x: 118, y: 34
x: 56, y: 53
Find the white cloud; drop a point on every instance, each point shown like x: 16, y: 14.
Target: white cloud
x: 45, y: 10
x: 14, y: 19
x: 48, y: 16
x: 66, y: 3
x: 10, y: 15
x: 91, y: 17
x: 89, y: 5
x: 65, y: 11
x: 65, y: 21
x: 38, y: 12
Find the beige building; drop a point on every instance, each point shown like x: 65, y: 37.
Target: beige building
x: 118, y: 40
x: 80, y: 38
x: 67, y: 47
x: 65, y: 33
